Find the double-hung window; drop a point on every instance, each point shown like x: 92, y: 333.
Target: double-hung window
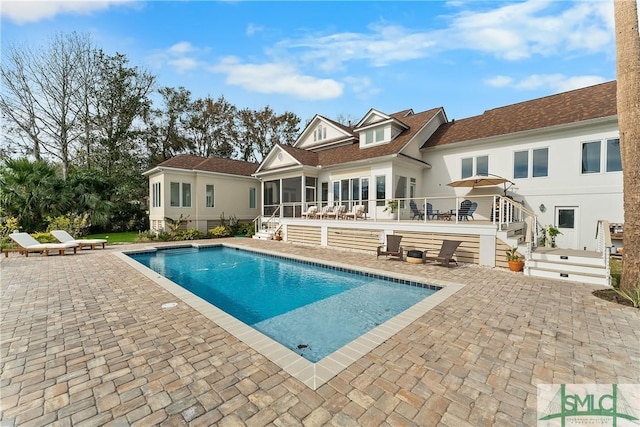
x: 180, y: 194
x: 156, y: 195
x: 597, y: 156
x: 252, y: 197
x: 539, y: 163
x: 475, y: 166
x: 209, y: 200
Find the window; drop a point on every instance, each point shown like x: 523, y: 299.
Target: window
x: 381, y: 192
x: 373, y: 135
x: 324, y: 192
x: 401, y: 189
x: 467, y: 168
x: 539, y: 162
x: 591, y: 157
x: 155, y: 195
x: 320, y: 133
x: 180, y: 194
x: 365, y: 189
x: 598, y: 156
x: 482, y: 165
x: 252, y: 197
x: 614, y: 161
x: 186, y: 195
x: 521, y: 164
x: 209, y: 196
x: 175, y: 194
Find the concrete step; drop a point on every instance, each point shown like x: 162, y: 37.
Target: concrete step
x: 567, y: 267
x: 263, y: 235
x: 577, y: 258
x: 593, y: 279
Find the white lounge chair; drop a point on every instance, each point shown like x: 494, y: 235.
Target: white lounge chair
x: 29, y: 244
x: 65, y: 237
x: 356, y: 212
x: 312, y: 212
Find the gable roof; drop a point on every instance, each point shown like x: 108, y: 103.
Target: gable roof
x: 210, y: 164
x: 579, y: 105
x: 350, y: 153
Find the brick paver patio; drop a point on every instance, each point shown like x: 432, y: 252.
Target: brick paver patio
x: 85, y: 342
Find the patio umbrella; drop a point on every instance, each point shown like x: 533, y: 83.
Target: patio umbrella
x: 482, y: 181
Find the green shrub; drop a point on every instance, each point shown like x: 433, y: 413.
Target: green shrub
x: 8, y: 226
x: 219, y: 231
x: 163, y: 236
x: 190, y: 234
x: 44, y: 237
x: 76, y: 225
x: 145, y: 236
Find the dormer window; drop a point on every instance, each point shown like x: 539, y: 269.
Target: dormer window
x: 372, y: 136
x: 320, y: 133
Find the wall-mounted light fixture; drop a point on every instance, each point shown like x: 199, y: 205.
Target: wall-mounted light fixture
x: 542, y: 208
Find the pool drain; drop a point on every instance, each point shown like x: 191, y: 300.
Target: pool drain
x: 169, y: 305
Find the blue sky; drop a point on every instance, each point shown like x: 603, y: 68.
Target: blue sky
x: 343, y: 58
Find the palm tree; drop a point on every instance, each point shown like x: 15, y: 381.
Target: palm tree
x: 30, y: 191
x: 628, y: 104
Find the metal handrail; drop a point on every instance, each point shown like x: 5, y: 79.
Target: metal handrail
x: 259, y: 223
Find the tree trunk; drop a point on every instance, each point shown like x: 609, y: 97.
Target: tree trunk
x: 628, y: 105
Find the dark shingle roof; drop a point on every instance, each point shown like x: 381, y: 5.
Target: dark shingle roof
x: 353, y: 152
x: 592, y: 102
x: 211, y: 164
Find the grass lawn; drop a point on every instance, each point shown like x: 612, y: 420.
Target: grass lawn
x: 124, y: 237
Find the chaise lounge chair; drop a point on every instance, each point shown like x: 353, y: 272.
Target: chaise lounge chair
x: 392, y: 247
x: 447, y: 250
x: 65, y: 237
x: 29, y: 244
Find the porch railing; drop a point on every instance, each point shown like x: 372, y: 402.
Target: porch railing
x: 501, y: 211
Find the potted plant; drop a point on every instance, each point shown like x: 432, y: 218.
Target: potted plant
x: 514, y: 259
x: 549, y: 237
x: 278, y: 235
x: 391, y: 208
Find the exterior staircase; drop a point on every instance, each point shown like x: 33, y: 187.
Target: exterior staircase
x: 512, y: 234
x: 264, y: 235
x: 567, y: 264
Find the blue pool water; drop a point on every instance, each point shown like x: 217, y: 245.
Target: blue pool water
x: 311, y: 309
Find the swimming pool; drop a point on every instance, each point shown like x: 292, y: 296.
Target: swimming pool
x: 312, y: 374
x: 310, y: 308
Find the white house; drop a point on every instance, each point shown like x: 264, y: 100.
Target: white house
x: 560, y: 152
x: 202, y: 190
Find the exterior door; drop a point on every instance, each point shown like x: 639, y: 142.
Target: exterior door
x: 567, y: 220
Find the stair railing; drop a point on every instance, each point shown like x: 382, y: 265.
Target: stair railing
x: 270, y: 225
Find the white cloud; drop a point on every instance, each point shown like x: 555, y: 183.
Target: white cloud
x: 24, y: 11
x: 499, y: 81
x: 253, y: 29
x: 383, y: 45
x: 555, y: 82
x: 277, y: 78
x: 181, y: 56
x: 521, y: 30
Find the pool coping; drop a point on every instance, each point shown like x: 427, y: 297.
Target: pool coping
x: 313, y: 375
